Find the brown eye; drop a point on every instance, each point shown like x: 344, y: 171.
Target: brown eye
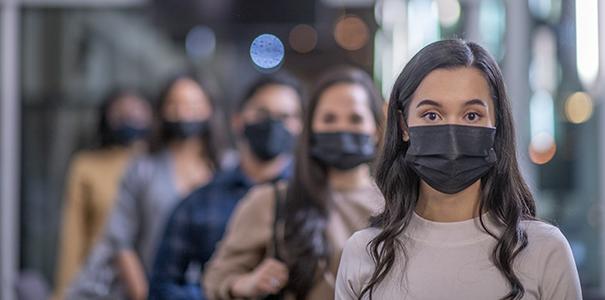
x: 261, y: 114
x: 356, y: 119
x: 282, y: 117
x: 472, y: 117
x: 431, y: 116
x: 329, y: 118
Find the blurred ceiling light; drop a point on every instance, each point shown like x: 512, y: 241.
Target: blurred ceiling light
x: 423, y: 25
x: 383, y: 62
x: 542, y: 148
x: 267, y: 51
x: 543, y: 69
x: 351, y: 32
x: 549, y: 10
x: 540, y: 8
x: 449, y: 12
x: 542, y: 113
x: 389, y: 12
x: 587, y: 41
x: 378, y: 12
x: 578, y: 107
x: 348, y: 3
x: 303, y: 38
x: 200, y: 42
x: 492, y: 25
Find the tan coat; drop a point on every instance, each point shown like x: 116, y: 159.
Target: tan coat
x: 250, y: 230
x: 91, y: 188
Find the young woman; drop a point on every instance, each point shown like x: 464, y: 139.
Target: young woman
x: 185, y: 156
x: 459, y: 221
x: 329, y: 197
x: 124, y: 122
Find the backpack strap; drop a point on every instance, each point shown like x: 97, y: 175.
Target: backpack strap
x: 278, y: 221
x: 278, y: 225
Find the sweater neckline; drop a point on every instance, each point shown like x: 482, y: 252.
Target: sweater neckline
x: 451, y: 233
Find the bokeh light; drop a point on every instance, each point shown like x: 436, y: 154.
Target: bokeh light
x: 542, y: 113
x: 267, y: 51
x: 542, y: 148
x: 389, y: 12
x: 303, y: 38
x: 587, y: 41
x: 449, y: 12
x: 492, y: 26
x: 200, y: 42
x: 351, y: 33
x: 578, y: 107
x: 423, y: 27
x: 544, y: 66
x: 540, y: 8
x: 549, y: 10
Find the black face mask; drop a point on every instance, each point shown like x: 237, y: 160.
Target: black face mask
x: 126, y: 134
x: 450, y: 158
x: 268, y: 138
x: 181, y: 130
x: 342, y: 150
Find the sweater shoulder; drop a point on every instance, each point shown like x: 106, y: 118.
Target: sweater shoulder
x: 359, y: 241
x: 543, y: 232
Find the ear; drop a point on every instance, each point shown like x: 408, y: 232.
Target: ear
x: 237, y: 124
x: 376, y: 137
x: 403, y: 126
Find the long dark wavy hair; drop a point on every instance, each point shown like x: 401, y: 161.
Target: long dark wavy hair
x: 105, y: 135
x: 307, y: 199
x: 212, y: 139
x: 504, y: 193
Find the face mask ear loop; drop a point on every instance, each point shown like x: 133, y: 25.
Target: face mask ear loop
x: 402, y: 126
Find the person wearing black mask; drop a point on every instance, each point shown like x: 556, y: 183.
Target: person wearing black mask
x: 266, y: 124
x: 460, y: 221
x: 185, y: 155
x: 124, y: 122
x: 286, y: 240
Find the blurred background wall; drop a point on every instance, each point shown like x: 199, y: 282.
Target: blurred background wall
x: 60, y: 56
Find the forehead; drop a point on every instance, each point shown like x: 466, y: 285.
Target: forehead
x: 275, y: 97
x: 453, y: 86
x: 127, y: 102
x: 343, y: 97
x: 186, y: 91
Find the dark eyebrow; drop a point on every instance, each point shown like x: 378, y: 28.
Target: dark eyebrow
x: 467, y: 103
x: 475, y: 102
x: 428, y: 102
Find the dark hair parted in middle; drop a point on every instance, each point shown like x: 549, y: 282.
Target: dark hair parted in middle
x: 307, y: 199
x: 281, y: 78
x: 213, y: 139
x: 104, y: 134
x: 504, y: 193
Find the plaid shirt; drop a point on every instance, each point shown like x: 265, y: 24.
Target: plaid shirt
x: 191, y: 233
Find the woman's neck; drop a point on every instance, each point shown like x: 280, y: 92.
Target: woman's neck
x: 439, y: 207
x: 137, y: 147
x: 261, y: 171
x: 192, y: 167
x: 187, y: 149
x: 349, y: 179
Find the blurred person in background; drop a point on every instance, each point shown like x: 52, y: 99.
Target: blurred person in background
x: 125, y: 120
x: 184, y: 157
x: 460, y: 221
x: 285, y: 240
x: 267, y: 122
